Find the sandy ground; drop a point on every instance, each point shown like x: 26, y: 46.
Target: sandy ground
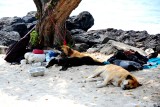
x: 66, y: 89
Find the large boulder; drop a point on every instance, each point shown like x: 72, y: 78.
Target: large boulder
x: 30, y: 20
x: 82, y: 47
x: 82, y: 21
x: 153, y: 41
x: 7, y: 21
x: 112, y: 46
x: 21, y: 28
x: 77, y: 31
x: 17, y: 24
x: 31, y: 25
x: 30, y: 17
x: 139, y: 39
x: 133, y: 38
x: 14, y: 28
x: 91, y: 37
x: 8, y: 38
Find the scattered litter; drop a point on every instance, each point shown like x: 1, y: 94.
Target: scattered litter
x: 37, y: 64
x: 145, y: 98
x: 82, y: 86
x: 38, y: 71
x: 149, y: 51
x: 32, y: 58
x: 37, y: 51
x: 50, y: 54
x: 152, y: 63
x: 23, y: 62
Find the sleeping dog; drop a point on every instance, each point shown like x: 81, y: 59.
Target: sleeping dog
x: 71, y: 57
x: 116, y: 75
x: 74, y: 61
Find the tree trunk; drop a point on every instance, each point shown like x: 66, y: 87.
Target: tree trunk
x: 52, y: 15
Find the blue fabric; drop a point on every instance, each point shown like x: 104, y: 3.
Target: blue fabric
x: 50, y: 54
x: 152, y: 63
x: 128, y: 65
x: 106, y: 62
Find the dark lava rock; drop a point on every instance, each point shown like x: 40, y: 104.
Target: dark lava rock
x: 31, y: 25
x: 82, y: 21
x: 7, y: 21
x: 30, y: 17
x: 7, y: 38
x: 21, y: 28
x: 77, y: 31
x: 153, y: 41
x: 92, y: 37
x: 82, y: 47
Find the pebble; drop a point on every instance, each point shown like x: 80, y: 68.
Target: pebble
x: 82, y: 86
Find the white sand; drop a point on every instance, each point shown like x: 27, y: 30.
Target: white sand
x: 65, y: 89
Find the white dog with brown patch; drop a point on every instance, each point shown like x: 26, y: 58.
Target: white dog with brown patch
x: 116, y: 75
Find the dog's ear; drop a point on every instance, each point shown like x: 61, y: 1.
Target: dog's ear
x: 129, y: 77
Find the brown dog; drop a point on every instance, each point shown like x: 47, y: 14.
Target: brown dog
x: 115, y: 75
x: 67, y: 51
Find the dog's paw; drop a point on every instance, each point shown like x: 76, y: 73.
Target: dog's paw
x: 51, y: 63
x: 63, y: 69
x: 47, y: 66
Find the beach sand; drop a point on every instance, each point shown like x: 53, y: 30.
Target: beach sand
x: 66, y: 89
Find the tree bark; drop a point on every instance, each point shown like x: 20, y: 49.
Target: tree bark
x: 52, y: 15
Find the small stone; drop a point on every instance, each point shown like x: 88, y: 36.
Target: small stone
x: 95, y: 97
x: 82, y: 86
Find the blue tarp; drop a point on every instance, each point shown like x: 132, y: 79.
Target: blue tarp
x: 152, y: 63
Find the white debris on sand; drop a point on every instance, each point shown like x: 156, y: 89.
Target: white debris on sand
x: 65, y: 88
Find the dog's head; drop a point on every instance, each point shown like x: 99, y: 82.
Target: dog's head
x: 130, y: 82
x: 66, y: 51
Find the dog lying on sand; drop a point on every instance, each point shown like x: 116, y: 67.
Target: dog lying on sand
x: 68, y: 52
x: 71, y: 57
x: 74, y: 61
x: 116, y: 75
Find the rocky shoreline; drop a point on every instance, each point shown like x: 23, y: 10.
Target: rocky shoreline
x: 13, y: 28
